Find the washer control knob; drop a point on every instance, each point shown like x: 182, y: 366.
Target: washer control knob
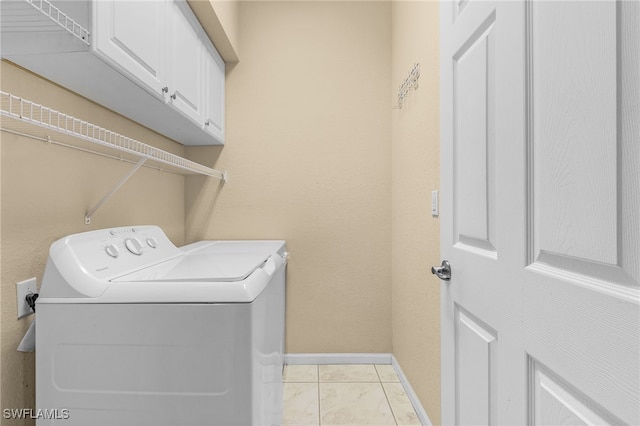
x: 133, y: 245
x: 151, y: 242
x: 112, y: 250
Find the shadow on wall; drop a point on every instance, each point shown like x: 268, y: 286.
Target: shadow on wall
x: 201, y: 193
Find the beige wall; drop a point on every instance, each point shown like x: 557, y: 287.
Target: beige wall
x: 308, y: 154
x: 220, y: 21
x: 227, y: 13
x: 415, y: 236
x: 315, y: 156
x: 45, y: 191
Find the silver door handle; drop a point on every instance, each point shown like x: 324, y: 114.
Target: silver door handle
x: 443, y: 271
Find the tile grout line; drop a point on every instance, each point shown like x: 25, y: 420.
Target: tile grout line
x: 385, y: 395
x: 318, y: 390
x: 378, y: 373
x: 389, y: 403
x: 393, y: 413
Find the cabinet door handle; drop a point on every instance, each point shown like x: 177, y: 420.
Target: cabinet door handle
x: 165, y: 89
x: 173, y: 96
x: 206, y: 123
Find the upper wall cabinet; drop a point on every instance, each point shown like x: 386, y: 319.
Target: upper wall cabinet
x: 214, y: 85
x: 119, y: 39
x: 185, y: 66
x: 148, y: 60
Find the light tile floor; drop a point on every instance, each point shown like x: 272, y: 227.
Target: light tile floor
x: 332, y: 395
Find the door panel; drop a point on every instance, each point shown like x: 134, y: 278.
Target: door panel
x: 124, y: 16
x: 214, y: 93
x: 119, y: 39
x: 588, y: 338
x: 186, y: 67
x: 473, y: 138
x: 476, y: 374
x: 628, y: 19
x: 592, y: 177
x: 540, y: 212
x: 574, y: 130
x: 555, y: 402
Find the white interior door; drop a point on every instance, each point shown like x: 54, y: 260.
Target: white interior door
x: 540, y: 212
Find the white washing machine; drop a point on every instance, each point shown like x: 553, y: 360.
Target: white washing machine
x: 132, y: 330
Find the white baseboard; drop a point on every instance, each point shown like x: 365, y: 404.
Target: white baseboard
x: 420, y: 411
x: 324, y: 359
x: 364, y: 358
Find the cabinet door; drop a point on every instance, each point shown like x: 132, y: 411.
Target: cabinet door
x: 214, y: 92
x: 185, y: 62
x: 130, y: 36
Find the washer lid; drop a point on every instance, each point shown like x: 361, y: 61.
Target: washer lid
x: 194, y: 267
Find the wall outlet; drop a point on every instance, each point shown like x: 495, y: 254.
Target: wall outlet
x: 22, y: 289
x: 434, y: 203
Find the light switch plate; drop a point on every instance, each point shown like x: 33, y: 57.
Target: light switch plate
x: 434, y: 203
x: 22, y: 289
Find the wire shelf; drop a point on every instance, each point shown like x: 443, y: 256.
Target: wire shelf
x: 40, y: 15
x: 25, y: 117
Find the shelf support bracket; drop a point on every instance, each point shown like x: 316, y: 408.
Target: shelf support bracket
x: 92, y: 211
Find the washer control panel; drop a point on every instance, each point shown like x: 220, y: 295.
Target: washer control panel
x: 113, y: 252
x: 134, y: 240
